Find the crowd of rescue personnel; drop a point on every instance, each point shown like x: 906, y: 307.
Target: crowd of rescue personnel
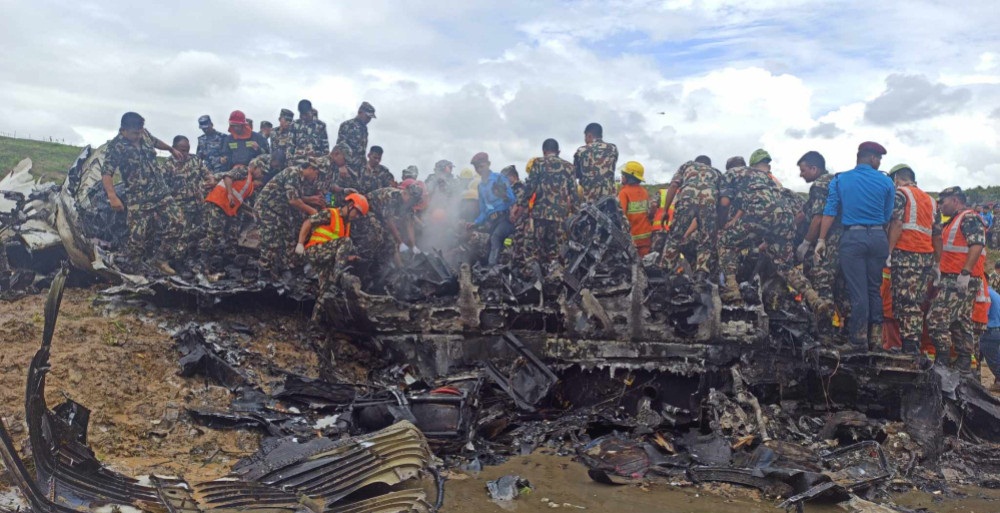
x: 864, y: 250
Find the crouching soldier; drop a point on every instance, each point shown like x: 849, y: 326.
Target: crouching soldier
x: 325, y: 241
x: 225, y: 212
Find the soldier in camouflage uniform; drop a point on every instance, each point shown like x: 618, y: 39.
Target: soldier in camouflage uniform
x: 824, y: 276
x: 696, y: 187
x: 308, y: 137
x: 155, y: 223
x: 595, y: 163
x: 913, y: 242
x: 442, y: 184
x: 551, y: 184
x: 354, y: 133
x: 328, y: 248
x: 514, y: 179
x: 211, y: 145
x: 283, y: 204
x: 763, y: 215
x: 962, y: 269
x: 374, y: 175
x: 994, y: 277
x: 190, y: 180
x: 394, y: 208
x: 222, y: 230
x: 281, y: 137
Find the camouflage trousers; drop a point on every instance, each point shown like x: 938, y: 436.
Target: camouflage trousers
x: 826, y: 279
x: 910, y: 275
x: 598, y: 190
x: 372, y: 243
x: 750, y: 232
x: 704, y: 238
x: 222, y: 232
x: 194, y: 226
x: 950, y: 319
x: 546, y: 237
x: 329, y: 260
x: 279, y: 232
x: 155, y: 232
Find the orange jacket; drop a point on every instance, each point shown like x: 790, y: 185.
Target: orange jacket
x: 635, y: 203
x: 918, y: 221
x: 659, y: 223
x: 242, y: 189
x: 955, y: 248
x: 335, y: 230
x: 981, y: 308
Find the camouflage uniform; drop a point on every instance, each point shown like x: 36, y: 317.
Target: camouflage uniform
x: 595, y: 169
x: 696, y: 199
x: 387, y: 204
x: 281, y: 140
x: 826, y: 277
x: 371, y: 179
x: 994, y: 281
x: 279, y: 221
x: 155, y: 223
x: 308, y: 138
x: 551, y: 182
x: 354, y: 134
x: 187, y: 180
x: 211, y: 149
x: 442, y: 185
x: 911, y: 273
x: 221, y: 234
x: 951, y: 311
x: 328, y: 259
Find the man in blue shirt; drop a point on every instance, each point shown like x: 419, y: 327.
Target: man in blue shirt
x: 863, y: 198
x: 990, y: 341
x: 495, y: 200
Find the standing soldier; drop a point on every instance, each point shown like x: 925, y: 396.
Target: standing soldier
x: 914, y: 254
x: 354, y: 133
x: 963, y: 258
x: 375, y: 175
x: 211, y: 145
x: 812, y: 169
x: 281, y: 137
x: 282, y: 205
x: 309, y: 136
x: 324, y: 239
x: 265, y: 131
x: 551, y: 185
x: 189, y: 180
x: 442, y: 184
x: 696, y: 187
x: 155, y: 223
x: 634, y: 200
x: 595, y: 163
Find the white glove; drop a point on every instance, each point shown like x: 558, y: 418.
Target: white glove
x: 802, y: 250
x: 403, y: 248
x: 819, y: 252
x: 888, y: 261
x: 963, y: 281
x: 937, y: 276
x: 416, y: 250
x: 300, y: 249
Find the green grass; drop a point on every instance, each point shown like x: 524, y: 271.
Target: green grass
x: 49, y: 160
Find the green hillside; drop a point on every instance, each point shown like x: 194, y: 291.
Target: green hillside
x: 49, y: 160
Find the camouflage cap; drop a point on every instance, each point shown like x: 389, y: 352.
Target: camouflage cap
x: 204, y: 121
x: 367, y: 109
x: 736, y: 161
x: 319, y: 163
x: 440, y: 165
x: 952, y: 191
x: 899, y: 167
x: 411, y: 172
x: 286, y: 114
x: 262, y: 161
x: 759, y: 155
x: 342, y: 148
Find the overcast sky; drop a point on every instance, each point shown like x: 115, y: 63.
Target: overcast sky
x: 668, y: 80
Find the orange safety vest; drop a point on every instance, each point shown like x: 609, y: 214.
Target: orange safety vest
x: 955, y: 248
x: 918, y: 221
x: 242, y: 189
x: 981, y: 308
x: 635, y: 203
x: 335, y: 230
x: 658, y: 223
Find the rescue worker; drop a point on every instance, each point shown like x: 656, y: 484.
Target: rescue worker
x: 281, y: 137
x: 226, y: 212
x: 266, y: 127
x: 354, y: 133
x: 442, y: 184
x: 375, y: 175
x: 495, y: 201
x: 514, y: 179
x: 155, y: 222
x: 242, y: 143
x: 324, y: 239
x: 696, y: 189
x: 634, y: 200
x: 763, y: 219
x: 394, y: 208
x: 283, y: 203
x: 914, y: 254
x: 595, y: 163
x: 554, y: 191
x: 962, y: 269
x: 824, y: 275
x: 189, y: 179
x: 863, y: 198
x: 211, y: 145
x: 309, y: 137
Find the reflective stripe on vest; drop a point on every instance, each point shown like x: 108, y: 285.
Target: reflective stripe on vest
x: 910, y: 216
x: 638, y: 207
x: 329, y: 232
x: 984, y: 295
x: 956, y: 249
x: 954, y: 226
x: 219, y: 197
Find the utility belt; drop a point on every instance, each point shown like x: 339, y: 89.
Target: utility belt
x: 496, y: 215
x: 863, y: 227
x: 994, y: 330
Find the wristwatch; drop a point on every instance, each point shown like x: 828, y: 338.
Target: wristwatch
x: 965, y: 273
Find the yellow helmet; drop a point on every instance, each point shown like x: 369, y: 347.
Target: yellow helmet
x: 530, y: 165
x: 634, y: 169
x: 472, y: 192
x: 466, y: 174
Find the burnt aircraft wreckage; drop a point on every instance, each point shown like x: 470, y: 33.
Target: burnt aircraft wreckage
x: 639, y: 374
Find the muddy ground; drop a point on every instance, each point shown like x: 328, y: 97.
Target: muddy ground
x: 119, y: 361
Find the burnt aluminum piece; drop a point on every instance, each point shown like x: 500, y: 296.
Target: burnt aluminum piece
x: 529, y: 380
x: 319, y: 472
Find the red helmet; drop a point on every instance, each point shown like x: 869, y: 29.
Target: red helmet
x: 237, y: 118
x: 359, y: 201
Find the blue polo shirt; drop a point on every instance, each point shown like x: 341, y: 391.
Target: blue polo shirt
x: 495, y: 195
x: 862, y: 196
x: 994, y: 315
